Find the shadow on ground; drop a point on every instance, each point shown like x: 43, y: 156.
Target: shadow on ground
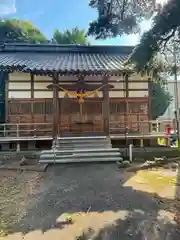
x: 97, y: 190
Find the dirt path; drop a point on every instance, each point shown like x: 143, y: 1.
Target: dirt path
x: 101, y: 202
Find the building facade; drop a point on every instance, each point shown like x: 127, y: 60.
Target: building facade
x: 44, y: 84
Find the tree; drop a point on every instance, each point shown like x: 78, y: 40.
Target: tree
x: 74, y: 36
x: 166, y: 26
x: 160, y: 99
x: 117, y: 17
x: 14, y: 30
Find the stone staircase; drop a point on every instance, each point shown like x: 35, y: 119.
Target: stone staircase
x: 81, y: 149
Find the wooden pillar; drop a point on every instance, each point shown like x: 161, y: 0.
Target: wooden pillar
x: 7, y: 98
x: 126, y: 103
x: 106, y: 107
x: 150, y: 103
x: 55, y: 107
x: 127, y: 94
x: 32, y: 97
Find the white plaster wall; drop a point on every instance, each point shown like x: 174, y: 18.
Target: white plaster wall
x: 116, y: 78
x: 137, y: 76
x: 39, y: 85
x: 118, y: 84
x: 138, y: 85
x: 19, y: 76
x: 43, y: 78
x: 116, y: 94
x: 138, y: 94
x: 45, y: 94
x: 14, y: 85
x: 19, y: 94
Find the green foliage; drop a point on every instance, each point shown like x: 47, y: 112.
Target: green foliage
x: 74, y: 36
x: 165, y: 25
x: 14, y: 30
x: 160, y: 99
x: 117, y: 17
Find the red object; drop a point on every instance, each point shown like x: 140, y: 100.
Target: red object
x: 168, y: 129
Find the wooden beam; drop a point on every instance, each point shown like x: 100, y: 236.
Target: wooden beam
x: 79, y: 86
x: 55, y: 107
x: 106, y: 107
x: 32, y: 96
x: 126, y: 77
x: 149, y: 102
x: 6, y: 98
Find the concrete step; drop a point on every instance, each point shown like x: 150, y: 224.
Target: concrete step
x: 104, y: 150
x: 80, y: 155
x: 81, y: 142
x: 82, y: 138
x: 77, y: 160
x: 81, y: 149
x: 79, y: 146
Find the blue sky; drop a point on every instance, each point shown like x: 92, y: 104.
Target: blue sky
x: 62, y: 14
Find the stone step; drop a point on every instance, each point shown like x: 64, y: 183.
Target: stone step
x: 80, y: 155
x: 82, y: 146
x: 81, y: 149
x: 77, y: 160
x: 82, y: 138
x: 104, y: 150
x: 82, y: 142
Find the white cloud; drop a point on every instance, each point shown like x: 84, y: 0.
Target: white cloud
x: 7, y: 7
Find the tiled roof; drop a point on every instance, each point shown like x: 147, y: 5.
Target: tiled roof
x: 63, y: 58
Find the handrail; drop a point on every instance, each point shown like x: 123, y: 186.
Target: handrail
x: 143, y: 127
x: 19, y: 130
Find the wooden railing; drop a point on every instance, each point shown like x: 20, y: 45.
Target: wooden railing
x: 25, y: 130
x: 141, y: 127
x: 37, y: 130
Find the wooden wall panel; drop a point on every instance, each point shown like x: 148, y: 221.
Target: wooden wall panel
x: 20, y: 111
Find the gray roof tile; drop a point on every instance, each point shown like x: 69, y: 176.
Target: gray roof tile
x: 92, y: 59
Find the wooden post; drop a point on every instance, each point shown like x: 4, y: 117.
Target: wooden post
x: 55, y: 107
x: 106, y: 107
x: 126, y: 107
x: 32, y: 97
x: 149, y: 103
x: 7, y: 98
x: 127, y: 96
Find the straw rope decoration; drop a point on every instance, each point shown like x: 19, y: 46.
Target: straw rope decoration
x: 82, y: 94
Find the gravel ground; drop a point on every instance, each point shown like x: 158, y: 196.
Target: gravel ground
x: 94, y: 198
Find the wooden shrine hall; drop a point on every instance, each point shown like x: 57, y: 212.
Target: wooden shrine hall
x: 64, y: 90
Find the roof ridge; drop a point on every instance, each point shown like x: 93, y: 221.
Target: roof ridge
x: 49, y: 47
